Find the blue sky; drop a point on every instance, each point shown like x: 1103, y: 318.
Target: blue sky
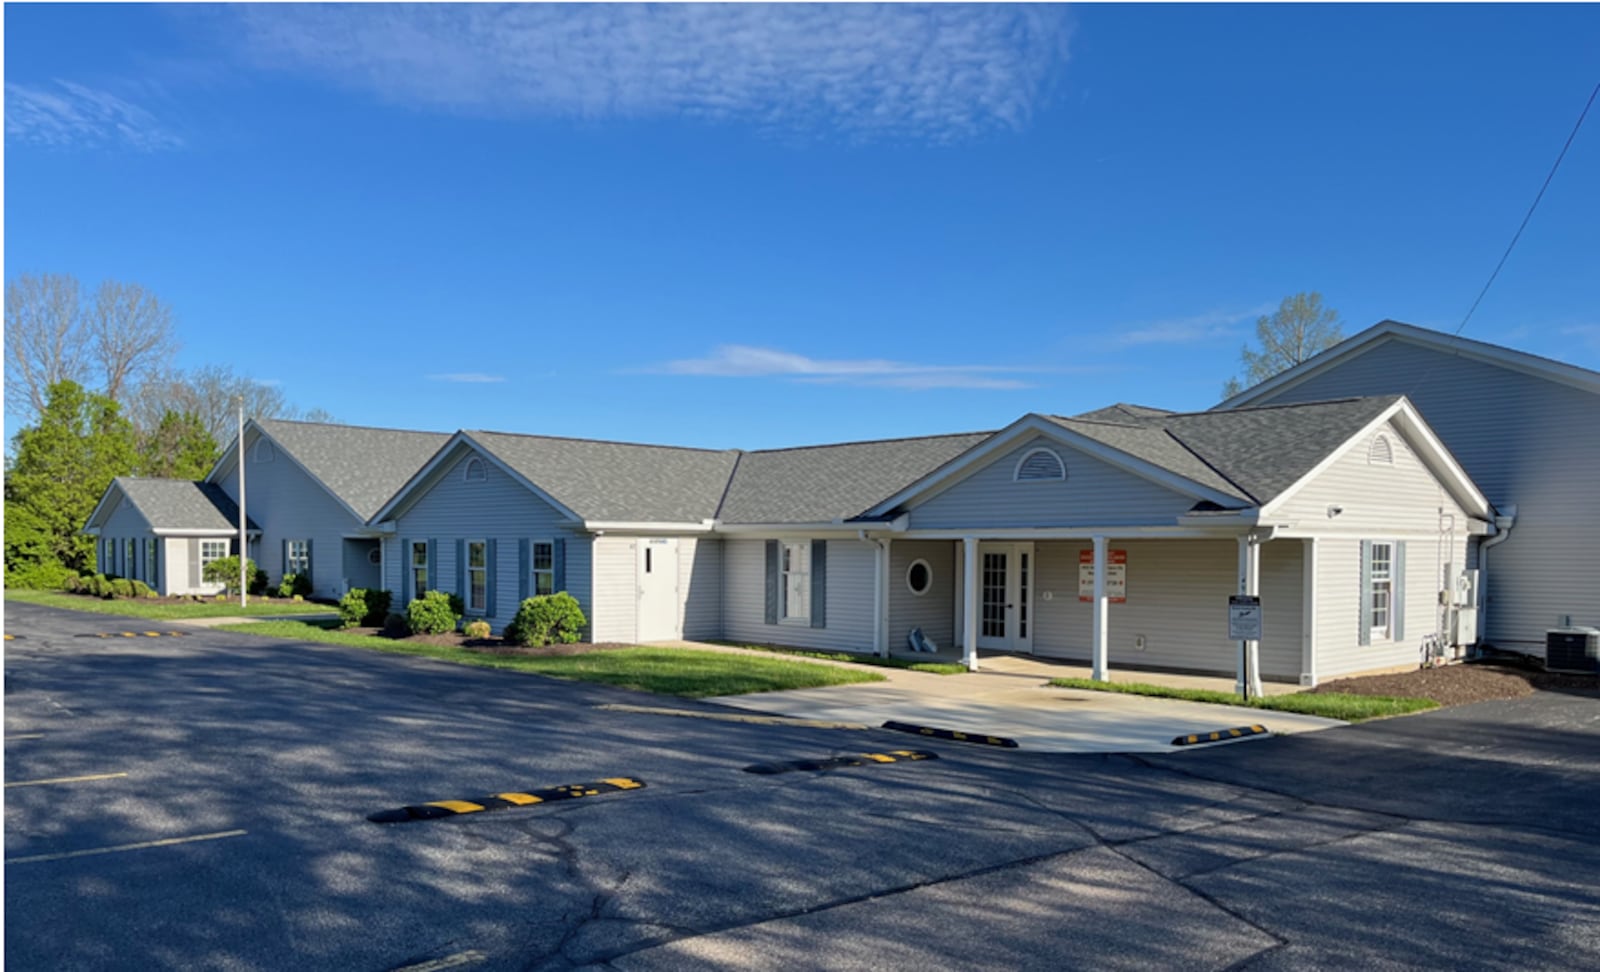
x: 763, y: 226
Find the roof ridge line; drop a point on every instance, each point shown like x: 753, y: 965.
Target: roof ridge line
x: 727, y: 487
x: 346, y: 425
x: 578, y: 438
x: 1252, y: 497
x: 901, y: 438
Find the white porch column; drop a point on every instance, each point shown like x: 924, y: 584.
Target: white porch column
x: 1098, y: 638
x: 969, y: 617
x: 1249, y: 681
x: 880, y: 600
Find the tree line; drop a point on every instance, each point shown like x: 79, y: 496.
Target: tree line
x: 91, y: 385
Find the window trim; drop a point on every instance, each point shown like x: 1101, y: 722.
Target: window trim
x: 201, y: 553
x: 534, y: 570
x: 419, y: 581
x: 1384, y: 632
x: 1016, y: 473
x: 469, y: 569
x: 786, y: 612
x: 291, y: 558
x: 912, y: 587
x: 477, y: 463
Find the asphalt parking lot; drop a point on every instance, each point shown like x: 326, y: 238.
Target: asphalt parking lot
x: 201, y: 802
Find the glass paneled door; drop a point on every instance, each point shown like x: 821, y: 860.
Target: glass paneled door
x: 1005, y: 596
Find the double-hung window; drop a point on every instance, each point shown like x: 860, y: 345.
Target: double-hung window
x: 211, y: 550
x: 544, y: 567
x: 477, y: 576
x: 1380, y: 588
x: 297, y: 559
x: 419, y: 567
x: 795, y: 583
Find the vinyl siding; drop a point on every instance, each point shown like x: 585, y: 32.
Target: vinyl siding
x: 700, y: 586
x: 933, y: 612
x: 1403, y: 497
x: 1339, y: 594
x: 1177, y: 598
x: 358, y: 570
x: 288, y: 504
x: 1524, y: 440
x: 497, y: 508
x: 1094, y: 493
x: 123, y: 524
x: 616, y: 594
x: 850, y: 565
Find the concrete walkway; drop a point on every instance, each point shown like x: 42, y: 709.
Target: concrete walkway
x: 1008, y: 697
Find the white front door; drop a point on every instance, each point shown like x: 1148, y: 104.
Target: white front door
x: 1005, y: 596
x: 658, y: 590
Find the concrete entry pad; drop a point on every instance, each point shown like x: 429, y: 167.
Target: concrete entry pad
x: 1096, y: 902
x: 1040, y: 719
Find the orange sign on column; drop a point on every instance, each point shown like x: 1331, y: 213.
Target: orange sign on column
x: 1116, y: 576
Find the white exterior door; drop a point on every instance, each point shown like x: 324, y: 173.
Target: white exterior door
x: 1005, y: 596
x: 658, y: 590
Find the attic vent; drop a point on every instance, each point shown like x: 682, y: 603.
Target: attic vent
x: 474, y: 472
x: 1040, y: 464
x: 1382, y: 453
x: 264, y: 451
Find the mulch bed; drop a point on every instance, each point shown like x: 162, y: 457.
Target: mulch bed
x: 489, y: 646
x: 1464, y: 683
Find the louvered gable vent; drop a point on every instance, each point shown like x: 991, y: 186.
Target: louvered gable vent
x: 1041, y: 464
x: 1382, y: 453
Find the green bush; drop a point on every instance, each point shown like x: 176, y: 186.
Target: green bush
x: 396, y: 625
x: 97, y: 586
x: 294, y: 585
x: 122, y: 587
x: 433, y: 613
x: 547, y: 619
x: 363, y: 607
x: 41, y: 577
x: 141, y: 589
x: 476, y: 629
x: 225, y: 570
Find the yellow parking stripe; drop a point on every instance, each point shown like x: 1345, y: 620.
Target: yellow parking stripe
x: 168, y: 842
x: 459, y: 806
x: 623, y: 783
x: 68, y: 779
x: 520, y: 799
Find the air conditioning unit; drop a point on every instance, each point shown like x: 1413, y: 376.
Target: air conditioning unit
x: 1572, y: 650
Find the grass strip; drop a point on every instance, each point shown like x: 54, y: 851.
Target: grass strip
x: 138, y: 608
x: 1328, y: 705
x: 856, y: 658
x: 682, y: 672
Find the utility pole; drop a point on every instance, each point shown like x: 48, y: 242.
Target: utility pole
x: 244, y: 540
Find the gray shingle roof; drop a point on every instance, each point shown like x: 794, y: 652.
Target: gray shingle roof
x: 1123, y: 412
x: 819, y: 484
x: 364, y: 467
x: 618, y: 481
x: 180, y: 504
x: 1253, y: 453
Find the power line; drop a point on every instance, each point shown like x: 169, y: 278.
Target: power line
x: 1513, y: 244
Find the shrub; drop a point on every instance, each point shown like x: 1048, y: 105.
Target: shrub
x: 433, y: 613
x: 97, y: 586
x: 122, y: 587
x: 294, y: 585
x: 73, y: 584
x: 40, y: 577
x: 362, y: 606
x: 141, y: 589
x: 476, y: 629
x: 547, y: 619
x: 225, y: 570
x: 396, y: 626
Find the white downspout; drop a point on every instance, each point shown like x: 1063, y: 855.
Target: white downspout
x: 1502, y: 524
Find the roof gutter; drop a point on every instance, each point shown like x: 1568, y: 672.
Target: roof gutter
x: 1502, y: 526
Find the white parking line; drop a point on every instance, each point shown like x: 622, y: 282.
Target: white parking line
x: 167, y: 842
x: 448, y: 962
x: 68, y: 779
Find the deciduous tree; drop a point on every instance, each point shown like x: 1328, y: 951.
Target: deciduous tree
x: 178, y: 448
x: 1298, y: 329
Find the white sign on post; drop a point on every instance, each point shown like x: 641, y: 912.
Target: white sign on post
x: 1244, y: 617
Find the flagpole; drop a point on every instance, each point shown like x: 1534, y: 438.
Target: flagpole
x: 244, y: 540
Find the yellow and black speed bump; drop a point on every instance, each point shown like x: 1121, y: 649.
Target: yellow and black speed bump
x: 135, y: 634
x: 955, y: 734
x: 11, y: 637
x: 1222, y: 735
x: 863, y: 759
x: 503, y: 801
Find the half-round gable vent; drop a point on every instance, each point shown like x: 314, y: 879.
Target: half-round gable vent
x: 1041, y: 464
x: 264, y: 451
x: 474, y: 472
x: 1382, y: 452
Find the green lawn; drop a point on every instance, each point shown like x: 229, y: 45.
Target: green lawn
x: 1329, y: 705
x: 135, y: 608
x: 668, y: 671
x: 857, y: 658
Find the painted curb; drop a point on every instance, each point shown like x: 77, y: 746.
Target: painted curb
x: 952, y: 734
x: 503, y: 801
x: 1221, y: 735
x: 864, y: 759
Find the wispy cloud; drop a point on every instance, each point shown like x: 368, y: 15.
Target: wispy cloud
x: 468, y: 378
x: 1187, y: 330
x: 1586, y: 334
x: 743, y: 361
x: 940, y: 72
x: 67, y: 115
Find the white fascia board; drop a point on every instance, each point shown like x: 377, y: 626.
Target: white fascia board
x: 202, y: 532
x: 1530, y: 364
x: 278, y: 449
x: 1034, y: 424
x: 1085, y: 533
x: 647, y: 526
x: 94, y: 514
x: 1360, y: 533
x: 1435, y: 457
x: 90, y: 531
x: 829, y: 528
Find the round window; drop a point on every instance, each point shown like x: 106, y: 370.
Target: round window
x: 919, y: 577
x: 375, y: 556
